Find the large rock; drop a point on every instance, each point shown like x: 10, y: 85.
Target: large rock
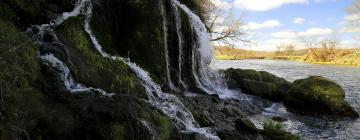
x: 318, y: 94
x: 258, y: 83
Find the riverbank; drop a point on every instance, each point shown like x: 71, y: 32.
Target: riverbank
x: 343, y: 61
x: 347, y: 57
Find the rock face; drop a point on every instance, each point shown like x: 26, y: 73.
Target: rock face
x: 259, y: 83
x: 320, y: 95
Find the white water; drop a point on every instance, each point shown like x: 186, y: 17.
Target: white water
x: 51, y: 61
x: 206, y: 78
x: 167, y: 103
x: 65, y: 75
x: 180, y: 44
x: 166, y: 49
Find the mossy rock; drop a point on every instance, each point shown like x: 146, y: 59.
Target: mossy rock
x: 92, y: 69
x: 236, y: 76
x: 318, y: 94
x: 283, y: 84
x: 258, y: 83
x: 262, y: 89
x: 275, y: 131
x: 245, y: 124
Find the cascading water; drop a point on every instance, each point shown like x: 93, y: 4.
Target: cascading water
x: 180, y: 44
x: 167, y: 103
x: 50, y: 60
x: 206, y: 78
x: 166, y: 49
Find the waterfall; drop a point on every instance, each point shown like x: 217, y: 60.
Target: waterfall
x: 167, y: 103
x: 65, y: 75
x: 50, y: 60
x: 166, y: 49
x: 180, y: 44
x: 206, y: 78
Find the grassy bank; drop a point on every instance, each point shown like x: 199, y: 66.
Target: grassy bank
x: 350, y: 57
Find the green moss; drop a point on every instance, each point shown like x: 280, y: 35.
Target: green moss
x: 118, y: 132
x: 139, y: 39
x: 262, y: 89
x: 276, y: 131
x: 319, y: 94
x: 91, y: 68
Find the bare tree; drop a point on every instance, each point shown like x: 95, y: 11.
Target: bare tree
x: 323, y: 50
x: 289, y: 49
x: 223, y: 24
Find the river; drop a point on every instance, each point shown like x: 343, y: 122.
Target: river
x: 310, y: 127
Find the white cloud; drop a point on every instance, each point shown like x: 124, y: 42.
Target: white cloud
x: 265, y: 24
x: 265, y: 5
x: 298, y: 20
x: 315, y: 32
x: 350, y: 29
x: 221, y: 4
x: 288, y: 34
x: 284, y: 34
x: 319, y: 1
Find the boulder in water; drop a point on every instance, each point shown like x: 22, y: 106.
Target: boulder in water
x: 259, y: 83
x: 318, y: 94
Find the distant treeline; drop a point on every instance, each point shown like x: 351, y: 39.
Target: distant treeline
x: 323, y: 55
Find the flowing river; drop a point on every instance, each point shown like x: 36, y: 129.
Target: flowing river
x: 310, y: 127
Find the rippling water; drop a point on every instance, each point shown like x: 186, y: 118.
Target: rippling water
x: 310, y: 127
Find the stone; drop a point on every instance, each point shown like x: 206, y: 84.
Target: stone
x: 318, y: 94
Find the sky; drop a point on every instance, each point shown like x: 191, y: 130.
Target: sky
x: 271, y: 23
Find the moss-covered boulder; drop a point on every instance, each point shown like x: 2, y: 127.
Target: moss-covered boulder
x: 275, y: 131
x: 259, y: 83
x: 320, y: 95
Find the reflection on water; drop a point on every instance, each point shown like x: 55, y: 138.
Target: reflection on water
x: 311, y: 127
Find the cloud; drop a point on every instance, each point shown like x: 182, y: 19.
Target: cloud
x: 315, y: 32
x: 319, y: 1
x: 298, y: 20
x: 265, y: 24
x: 284, y: 34
x: 311, y: 32
x: 265, y: 5
x: 221, y: 4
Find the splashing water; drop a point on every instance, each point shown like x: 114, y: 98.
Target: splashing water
x: 206, y: 78
x: 51, y: 61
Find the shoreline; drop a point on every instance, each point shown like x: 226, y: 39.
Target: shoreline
x: 300, y: 61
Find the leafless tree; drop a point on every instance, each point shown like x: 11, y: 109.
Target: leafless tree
x: 323, y: 50
x: 224, y: 26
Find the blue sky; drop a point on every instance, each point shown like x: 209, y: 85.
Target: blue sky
x: 281, y: 22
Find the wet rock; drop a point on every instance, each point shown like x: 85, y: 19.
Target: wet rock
x: 204, y: 119
x: 258, y: 83
x: 279, y: 119
x: 245, y: 124
x: 193, y: 136
x: 318, y: 94
x: 262, y: 89
x: 49, y: 37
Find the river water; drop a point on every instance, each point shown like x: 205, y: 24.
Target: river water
x: 310, y: 127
